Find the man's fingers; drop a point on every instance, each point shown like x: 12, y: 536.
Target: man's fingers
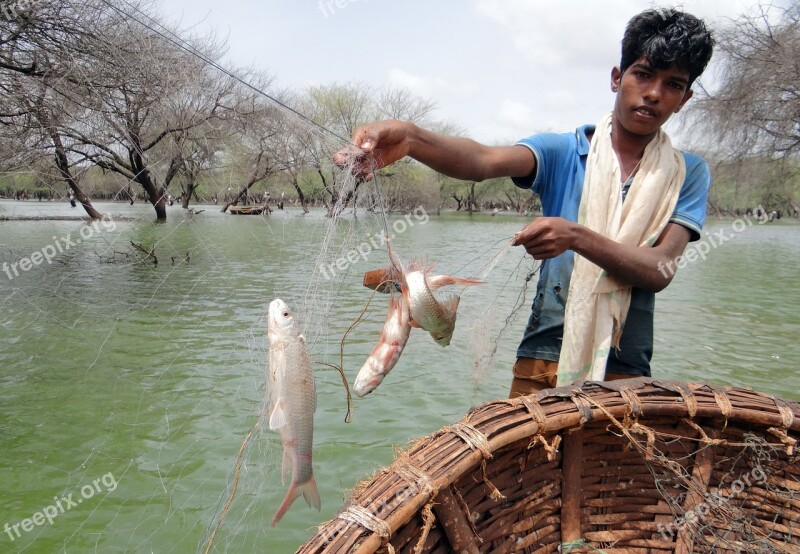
x: 528, y: 234
x: 347, y: 155
x: 540, y: 253
x: 341, y: 159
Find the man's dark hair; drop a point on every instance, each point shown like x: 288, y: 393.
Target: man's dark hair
x: 668, y: 37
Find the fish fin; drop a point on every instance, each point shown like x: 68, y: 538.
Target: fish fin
x: 292, y: 493
x: 438, y: 281
x: 451, y: 304
x: 311, y: 493
x: 308, y: 490
x: 277, y: 418
x: 414, y: 324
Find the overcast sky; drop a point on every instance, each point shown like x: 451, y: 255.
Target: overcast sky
x: 500, y: 69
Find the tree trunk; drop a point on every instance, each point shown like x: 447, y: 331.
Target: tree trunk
x: 187, y: 195
x: 300, y: 195
x: 471, y: 204
x: 63, y: 167
x: 158, y: 198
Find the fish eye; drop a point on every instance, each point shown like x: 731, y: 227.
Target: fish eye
x: 285, y: 314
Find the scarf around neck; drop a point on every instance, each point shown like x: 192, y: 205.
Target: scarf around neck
x: 598, y: 303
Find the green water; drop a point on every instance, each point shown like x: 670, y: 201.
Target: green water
x: 136, y: 384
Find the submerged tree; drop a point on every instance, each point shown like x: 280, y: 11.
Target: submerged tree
x: 146, y: 94
x: 42, y: 50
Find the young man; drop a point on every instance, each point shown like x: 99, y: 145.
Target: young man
x: 616, y: 194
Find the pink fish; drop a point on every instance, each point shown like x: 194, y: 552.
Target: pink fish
x: 390, y: 345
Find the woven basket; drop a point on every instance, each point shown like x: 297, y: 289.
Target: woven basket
x: 621, y: 467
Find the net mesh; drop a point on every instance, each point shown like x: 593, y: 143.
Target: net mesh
x: 180, y: 402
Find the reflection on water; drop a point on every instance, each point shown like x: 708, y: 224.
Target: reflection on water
x: 155, y: 373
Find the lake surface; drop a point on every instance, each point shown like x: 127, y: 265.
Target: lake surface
x: 127, y: 388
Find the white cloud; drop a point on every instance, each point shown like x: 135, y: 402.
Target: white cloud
x: 516, y: 113
x: 414, y: 83
x: 558, y: 38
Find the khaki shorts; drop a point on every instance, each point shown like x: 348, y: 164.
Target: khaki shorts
x: 532, y: 375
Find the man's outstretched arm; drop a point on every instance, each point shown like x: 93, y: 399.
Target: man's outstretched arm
x: 384, y: 142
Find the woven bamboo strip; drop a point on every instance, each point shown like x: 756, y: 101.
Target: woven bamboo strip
x: 572, y: 467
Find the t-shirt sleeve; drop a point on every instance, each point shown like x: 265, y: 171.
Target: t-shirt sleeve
x: 691, y: 208
x: 549, y: 150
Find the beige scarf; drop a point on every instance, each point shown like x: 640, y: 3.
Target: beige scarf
x: 597, y: 303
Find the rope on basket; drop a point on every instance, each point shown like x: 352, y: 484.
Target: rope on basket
x: 417, y: 478
x: 370, y: 522
x: 686, y: 393
x: 632, y: 399
x: 536, y: 411
x: 723, y: 401
x: 787, y: 414
x: 689, y: 399
x: 474, y: 438
x: 428, y: 518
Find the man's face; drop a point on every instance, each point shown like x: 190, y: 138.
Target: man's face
x: 647, y: 97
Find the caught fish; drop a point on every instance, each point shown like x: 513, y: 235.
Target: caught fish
x: 293, y: 400
x: 390, y: 345
x: 426, y: 311
x: 438, y: 318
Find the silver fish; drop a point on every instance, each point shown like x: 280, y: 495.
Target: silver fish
x: 293, y: 400
x: 438, y: 318
x: 427, y: 312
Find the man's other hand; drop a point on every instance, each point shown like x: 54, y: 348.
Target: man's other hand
x: 546, y: 237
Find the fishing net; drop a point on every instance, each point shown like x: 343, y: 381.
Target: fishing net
x: 178, y: 426
x: 137, y: 352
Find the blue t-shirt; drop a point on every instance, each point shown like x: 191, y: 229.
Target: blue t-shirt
x: 558, y: 181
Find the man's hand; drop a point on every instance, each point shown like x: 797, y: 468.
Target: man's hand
x: 547, y: 237
x: 374, y: 146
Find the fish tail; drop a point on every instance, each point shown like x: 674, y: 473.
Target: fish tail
x: 451, y: 305
x: 311, y: 493
x: 307, y: 490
